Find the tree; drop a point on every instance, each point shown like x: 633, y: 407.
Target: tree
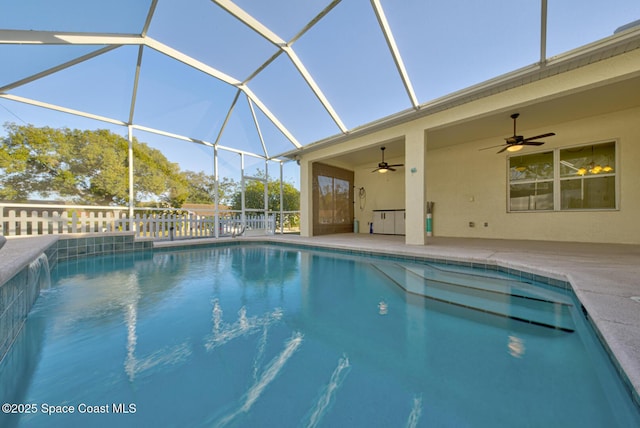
x: 89, y: 167
x: 201, y: 188
x: 254, y: 196
x: 92, y: 167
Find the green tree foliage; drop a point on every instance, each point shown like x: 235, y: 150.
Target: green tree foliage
x: 254, y: 196
x: 89, y: 167
x: 92, y: 167
x: 201, y: 188
x: 227, y: 188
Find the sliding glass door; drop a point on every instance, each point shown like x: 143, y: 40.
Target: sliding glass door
x: 332, y: 200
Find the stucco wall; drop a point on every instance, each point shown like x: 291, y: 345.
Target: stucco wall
x: 383, y: 192
x: 469, y: 185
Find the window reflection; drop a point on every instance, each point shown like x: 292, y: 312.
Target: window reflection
x: 325, y: 209
x: 333, y: 199
x: 585, y: 179
x: 531, y: 180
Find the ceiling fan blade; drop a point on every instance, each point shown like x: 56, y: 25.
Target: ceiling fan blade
x: 503, y: 149
x: 397, y: 164
x: 532, y: 143
x: 550, y: 134
x: 492, y: 147
x: 391, y: 169
x: 376, y: 170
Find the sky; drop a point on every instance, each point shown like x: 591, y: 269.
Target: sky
x: 445, y: 46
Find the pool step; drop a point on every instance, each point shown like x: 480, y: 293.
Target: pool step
x: 497, y: 296
x: 489, y: 281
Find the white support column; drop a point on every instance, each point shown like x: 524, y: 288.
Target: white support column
x: 131, y: 192
x: 266, y: 194
x: 306, y: 199
x: 242, y: 193
x: 415, y: 148
x: 281, y: 199
x: 216, y: 194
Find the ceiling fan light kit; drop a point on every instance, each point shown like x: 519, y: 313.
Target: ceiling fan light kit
x: 515, y: 148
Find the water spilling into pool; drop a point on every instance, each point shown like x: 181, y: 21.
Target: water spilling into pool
x: 38, y: 275
x: 261, y: 336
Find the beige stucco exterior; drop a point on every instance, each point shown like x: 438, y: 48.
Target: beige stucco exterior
x: 443, y: 162
x: 474, y: 190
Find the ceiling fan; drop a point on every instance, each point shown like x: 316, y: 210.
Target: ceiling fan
x: 517, y: 142
x: 383, y: 166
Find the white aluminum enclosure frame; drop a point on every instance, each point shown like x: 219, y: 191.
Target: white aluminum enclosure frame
x: 108, y: 42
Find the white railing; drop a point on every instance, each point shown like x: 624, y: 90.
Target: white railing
x: 44, y: 219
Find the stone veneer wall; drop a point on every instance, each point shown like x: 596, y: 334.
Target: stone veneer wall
x: 19, y: 293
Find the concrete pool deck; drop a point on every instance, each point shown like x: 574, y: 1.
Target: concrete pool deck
x: 605, y: 277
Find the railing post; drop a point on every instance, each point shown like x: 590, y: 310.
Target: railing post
x: 74, y: 222
x: 23, y: 223
x: 36, y: 225
x: 12, y: 223
x: 108, y: 219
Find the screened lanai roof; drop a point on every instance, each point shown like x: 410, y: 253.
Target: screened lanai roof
x: 271, y: 77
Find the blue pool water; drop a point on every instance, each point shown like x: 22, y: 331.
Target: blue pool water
x: 269, y: 336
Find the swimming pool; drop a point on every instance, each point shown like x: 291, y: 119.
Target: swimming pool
x: 260, y: 335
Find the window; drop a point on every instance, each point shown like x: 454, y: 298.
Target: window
x: 333, y: 201
x: 531, y: 182
x: 575, y: 178
x: 588, y: 177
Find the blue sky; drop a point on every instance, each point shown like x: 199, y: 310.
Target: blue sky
x: 446, y: 46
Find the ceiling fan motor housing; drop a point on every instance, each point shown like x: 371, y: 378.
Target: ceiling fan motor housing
x: 384, y: 166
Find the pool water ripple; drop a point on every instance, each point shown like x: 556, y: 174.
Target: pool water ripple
x: 267, y: 336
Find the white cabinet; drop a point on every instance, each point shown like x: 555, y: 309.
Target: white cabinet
x: 384, y: 222
x: 400, y: 217
x: 389, y: 222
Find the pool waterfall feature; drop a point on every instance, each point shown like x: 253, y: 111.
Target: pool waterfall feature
x: 29, y: 268
x: 18, y: 295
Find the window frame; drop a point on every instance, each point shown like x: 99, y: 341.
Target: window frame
x: 558, y: 180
